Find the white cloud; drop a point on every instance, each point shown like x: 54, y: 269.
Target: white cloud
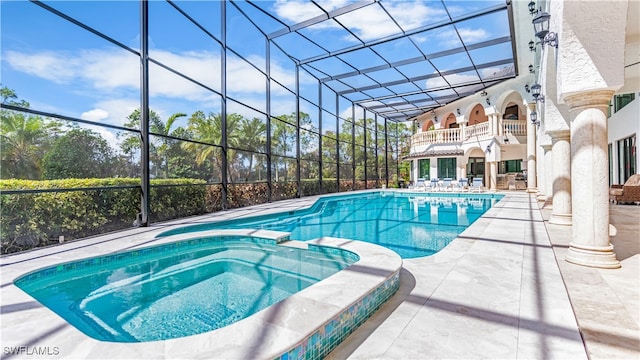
x: 94, y: 115
x: 453, y: 79
x: 369, y: 22
x: 449, y: 37
x: 108, y: 71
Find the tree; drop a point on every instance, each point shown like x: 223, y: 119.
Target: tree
x: 207, y: 131
x: 23, y: 139
x: 80, y: 153
x: 253, y: 138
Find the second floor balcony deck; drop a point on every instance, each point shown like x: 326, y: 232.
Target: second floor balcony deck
x: 464, y: 134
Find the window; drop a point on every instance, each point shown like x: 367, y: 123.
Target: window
x: 447, y: 168
x: 620, y: 101
x: 626, y: 158
x: 424, y: 168
x: 510, y: 166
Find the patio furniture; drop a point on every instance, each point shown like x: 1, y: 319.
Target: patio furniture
x: 446, y: 184
x: 463, y: 184
x: 476, y: 184
x: 419, y: 184
x: 435, y: 184
x: 629, y: 192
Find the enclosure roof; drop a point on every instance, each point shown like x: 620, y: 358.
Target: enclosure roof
x: 397, y: 59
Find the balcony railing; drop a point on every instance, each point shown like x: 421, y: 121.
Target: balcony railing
x: 515, y: 127
x: 460, y: 135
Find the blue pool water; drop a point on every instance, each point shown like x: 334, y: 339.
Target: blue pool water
x: 412, y: 225
x: 179, y: 289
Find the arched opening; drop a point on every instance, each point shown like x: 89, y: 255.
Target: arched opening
x: 477, y: 115
x: 427, y: 125
x: 450, y: 122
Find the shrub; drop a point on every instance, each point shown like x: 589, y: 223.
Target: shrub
x: 39, y: 218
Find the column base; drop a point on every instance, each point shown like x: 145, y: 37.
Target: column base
x: 541, y: 197
x: 598, y: 257
x: 532, y: 190
x: 560, y: 219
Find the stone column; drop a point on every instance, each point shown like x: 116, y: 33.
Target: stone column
x: 590, y: 245
x: 542, y: 173
x: 548, y: 177
x: 561, y: 149
x: 532, y: 185
x: 493, y: 175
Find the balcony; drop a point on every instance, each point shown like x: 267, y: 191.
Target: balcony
x: 468, y: 134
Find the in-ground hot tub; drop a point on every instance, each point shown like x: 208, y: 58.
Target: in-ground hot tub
x: 307, y: 324
x: 179, y: 289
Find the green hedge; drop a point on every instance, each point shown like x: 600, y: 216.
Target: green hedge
x: 37, y: 219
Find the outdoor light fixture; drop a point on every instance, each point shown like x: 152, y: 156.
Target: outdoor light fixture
x: 526, y: 88
x: 506, y: 140
x: 433, y: 112
x: 435, y: 118
x: 535, y: 91
x: 531, y: 69
x: 532, y: 46
x: 458, y: 111
x: 541, y: 27
x: 534, y: 118
x: 532, y: 8
x: 488, y: 149
x: 488, y: 101
x: 483, y: 93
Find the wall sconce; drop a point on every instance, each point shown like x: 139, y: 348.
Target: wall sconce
x: 532, y: 8
x: 531, y: 70
x: 526, y: 88
x: 506, y: 140
x: 458, y: 111
x: 433, y: 112
x: 488, y: 101
x: 483, y: 93
x: 541, y: 27
x: 435, y: 119
x: 532, y: 46
x: 535, y: 91
x: 534, y: 118
x: 488, y: 150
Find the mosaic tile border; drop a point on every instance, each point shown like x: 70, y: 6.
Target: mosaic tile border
x: 331, y: 334
x: 182, y: 246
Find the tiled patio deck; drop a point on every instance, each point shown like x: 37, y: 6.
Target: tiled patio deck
x: 495, y: 292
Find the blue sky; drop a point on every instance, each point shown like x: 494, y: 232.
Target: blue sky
x: 61, y: 68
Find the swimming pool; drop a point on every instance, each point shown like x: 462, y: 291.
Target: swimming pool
x: 411, y: 224
x: 179, y: 289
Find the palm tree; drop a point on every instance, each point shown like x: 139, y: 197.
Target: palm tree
x: 253, y: 138
x: 24, y: 140
x: 207, y: 130
x: 157, y: 127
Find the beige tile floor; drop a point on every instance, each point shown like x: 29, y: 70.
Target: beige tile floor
x: 500, y: 290
x: 503, y: 291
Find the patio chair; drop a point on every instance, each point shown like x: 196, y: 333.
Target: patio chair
x: 476, y: 184
x: 446, y: 184
x: 629, y: 192
x: 435, y: 184
x: 418, y: 185
x: 463, y: 184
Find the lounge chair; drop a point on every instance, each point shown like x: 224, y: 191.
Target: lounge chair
x: 463, y: 184
x: 435, y: 184
x: 418, y: 185
x: 446, y: 184
x: 629, y: 192
x: 476, y: 184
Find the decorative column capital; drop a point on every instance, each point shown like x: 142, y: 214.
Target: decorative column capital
x: 591, y: 99
x: 561, y: 134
